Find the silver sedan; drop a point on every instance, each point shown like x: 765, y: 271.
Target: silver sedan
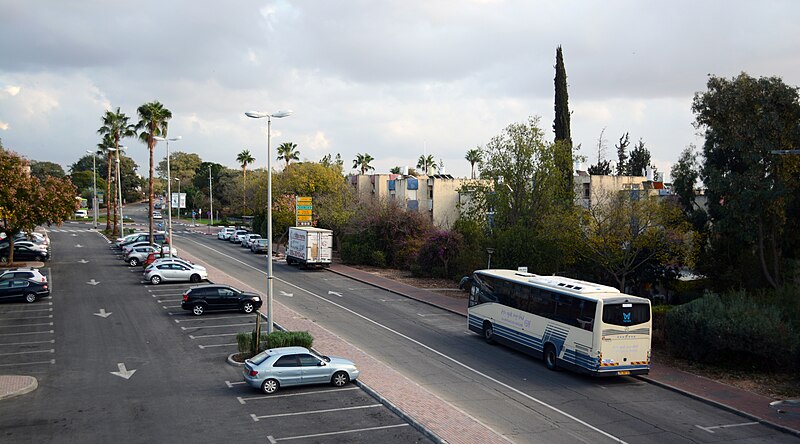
x: 174, y: 271
x: 288, y: 366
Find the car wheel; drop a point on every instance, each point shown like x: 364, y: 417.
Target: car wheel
x: 134, y: 262
x: 30, y: 297
x: 339, y: 379
x: 195, y: 278
x: 550, y: 357
x: 270, y: 386
x: 198, y: 309
x: 248, y: 307
x: 488, y: 332
x: 155, y: 280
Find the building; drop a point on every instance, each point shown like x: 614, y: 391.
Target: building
x: 592, y: 189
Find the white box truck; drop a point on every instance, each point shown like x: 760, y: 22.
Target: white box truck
x: 309, y: 246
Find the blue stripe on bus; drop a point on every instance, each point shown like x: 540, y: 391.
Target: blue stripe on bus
x: 553, y: 334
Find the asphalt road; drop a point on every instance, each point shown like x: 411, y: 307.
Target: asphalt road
x: 115, y: 363
x: 508, y: 391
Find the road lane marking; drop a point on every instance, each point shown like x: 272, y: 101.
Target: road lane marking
x: 711, y: 428
x: 28, y: 352
x: 203, y: 347
x: 198, y: 318
x: 26, y: 325
x: 29, y: 333
x: 431, y: 349
x: 243, y: 400
x: 52, y: 341
x: 52, y: 361
x: 25, y: 319
x: 26, y: 311
x: 212, y: 336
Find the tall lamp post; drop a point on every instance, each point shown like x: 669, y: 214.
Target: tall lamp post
x: 169, y: 190
x: 119, y: 189
x: 261, y: 115
x: 94, y: 185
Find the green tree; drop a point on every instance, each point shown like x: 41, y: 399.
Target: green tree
x: 244, y: 158
x: 116, y: 126
x: 153, y: 118
x: 685, y: 177
x: 43, y: 169
x: 426, y: 164
x: 622, y: 155
x: 395, y: 170
x: 287, y: 151
x: 473, y: 156
x: 182, y: 166
x: 752, y: 193
x: 28, y: 202
x: 362, y: 162
x: 561, y: 126
x: 328, y: 161
x: 639, y: 160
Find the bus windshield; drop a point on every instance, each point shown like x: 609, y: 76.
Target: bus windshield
x: 625, y: 314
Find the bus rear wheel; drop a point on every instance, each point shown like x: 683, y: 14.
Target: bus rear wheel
x: 550, y: 357
x: 488, y: 332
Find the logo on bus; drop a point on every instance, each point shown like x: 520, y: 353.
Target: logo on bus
x: 626, y: 317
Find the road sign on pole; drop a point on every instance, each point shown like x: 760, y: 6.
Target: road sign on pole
x: 304, y: 211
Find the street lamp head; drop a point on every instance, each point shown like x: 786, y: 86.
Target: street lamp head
x: 162, y: 139
x: 261, y: 115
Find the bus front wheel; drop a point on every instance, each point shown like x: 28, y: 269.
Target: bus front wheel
x: 550, y: 357
x: 488, y: 332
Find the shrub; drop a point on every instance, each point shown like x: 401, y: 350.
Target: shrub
x: 245, y: 343
x: 733, y: 329
x: 290, y: 339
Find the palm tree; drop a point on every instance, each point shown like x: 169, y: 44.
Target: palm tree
x: 473, y: 156
x: 116, y: 126
x: 244, y: 158
x: 287, y: 151
x: 103, y: 150
x: 395, y: 170
x: 153, y: 119
x: 426, y: 163
x: 362, y: 162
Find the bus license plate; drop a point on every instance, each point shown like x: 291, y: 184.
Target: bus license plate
x: 623, y: 373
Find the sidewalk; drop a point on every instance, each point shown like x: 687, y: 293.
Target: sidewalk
x: 747, y: 404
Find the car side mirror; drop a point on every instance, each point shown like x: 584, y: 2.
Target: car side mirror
x: 321, y: 364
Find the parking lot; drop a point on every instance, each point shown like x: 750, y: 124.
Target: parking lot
x: 319, y: 413
x: 27, y: 335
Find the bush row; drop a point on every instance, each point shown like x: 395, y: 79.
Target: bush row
x: 246, y: 341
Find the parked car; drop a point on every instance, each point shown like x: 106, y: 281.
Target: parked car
x: 81, y: 214
x: 152, y: 257
x: 23, y: 253
x: 237, y: 236
x: 29, y: 244
x: 157, y: 215
x: 23, y: 273
x: 130, y: 247
x: 174, y: 271
x: 159, y: 236
x: 157, y: 206
x: 140, y: 254
x: 167, y: 259
x: 248, y: 239
x: 125, y: 239
x: 260, y: 246
x: 23, y: 289
x: 219, y: 297
x: 287, y: 366
x: 225, y: 233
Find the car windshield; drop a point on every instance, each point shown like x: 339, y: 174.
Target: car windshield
x: 259, y: 358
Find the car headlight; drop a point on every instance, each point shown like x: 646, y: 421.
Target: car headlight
x: 257, y: 299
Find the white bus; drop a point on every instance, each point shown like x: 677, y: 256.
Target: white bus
x: 586, y: 327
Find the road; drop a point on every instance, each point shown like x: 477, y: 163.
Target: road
x: 508, y: 391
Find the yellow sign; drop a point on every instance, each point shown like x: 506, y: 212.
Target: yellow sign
x: 304, y: 212
x: 303, y: 199
x: 303, y: 217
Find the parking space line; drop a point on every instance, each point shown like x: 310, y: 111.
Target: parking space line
x: 52, y: 350
x: 217, y: 326
x: 231, y: 384
x: 52, y: 341
x: 52, y: 361
x: 26, y: 311
x: 206, y: 318
x: 711, y: 429
x: 168, y: 300
x: 202, y: 347
x: 311, y: 412
x: 243, y: 400
x: 26, y: 325
x: 25, y: 319
x: 166, y: 294
x: 316, y: 435
x: 29, y: 333
x: 166, y: 307
x: 212, y: 336
x: 153, y: 290
x: 24, y: 304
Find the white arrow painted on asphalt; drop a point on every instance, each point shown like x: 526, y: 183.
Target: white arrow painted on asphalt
x: 83, y: 261
x: 78, y: 246
x: 102, y: 313
x: 123, y: 372
x: 74, y: 235
x: 288, y: 295
x: 333, y: 292
x: 93, y: 282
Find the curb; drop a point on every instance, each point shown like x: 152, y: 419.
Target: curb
x: 31, y: 384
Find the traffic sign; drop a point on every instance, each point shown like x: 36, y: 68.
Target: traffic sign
x: 303, y: 199
x: 305, y: 207
x: 304, y: 218
x: 304, y: 212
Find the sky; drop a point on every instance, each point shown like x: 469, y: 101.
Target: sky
x: 394, y: 79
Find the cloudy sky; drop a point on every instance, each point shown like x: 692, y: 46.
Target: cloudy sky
x: 390, y: 78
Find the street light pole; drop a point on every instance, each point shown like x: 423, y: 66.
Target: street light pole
x: 210, y: 200
x: 169, y: 191
x: 261, y: 115
x: 94, y: 186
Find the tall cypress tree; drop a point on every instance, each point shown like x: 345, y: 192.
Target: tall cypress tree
x: 561, y: 123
